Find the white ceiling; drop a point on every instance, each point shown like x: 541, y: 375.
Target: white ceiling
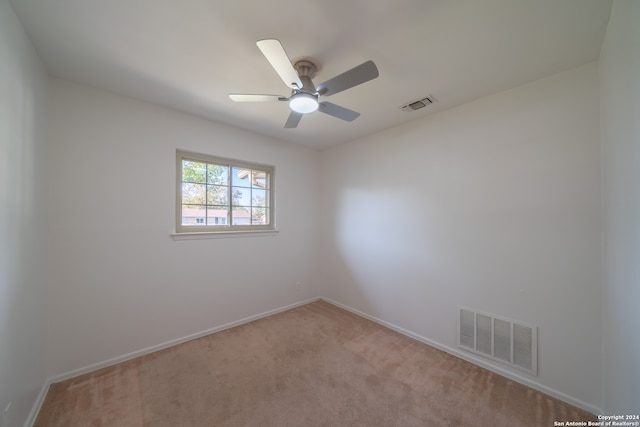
x: 189, y: 54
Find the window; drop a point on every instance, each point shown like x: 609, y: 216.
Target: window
x: 215, y: 194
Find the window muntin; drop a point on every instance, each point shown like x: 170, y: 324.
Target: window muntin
x: 219, y: 194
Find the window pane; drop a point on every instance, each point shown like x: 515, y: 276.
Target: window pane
x: 217, y: 195
x: 258, y: 198
x: 217, y: 174
x: 259, y: 216
x: 241, y: 216
x: 194, y: 194
x: 193, y: 215
x: 241, y: 196
x: 217, y: 215
x: 260, y: 179
x: 241, y: 177
x: 194, y: 171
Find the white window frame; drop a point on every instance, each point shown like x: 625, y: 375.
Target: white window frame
x: 228, y: 227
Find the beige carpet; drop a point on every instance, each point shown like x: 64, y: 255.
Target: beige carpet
x: 316, y: 365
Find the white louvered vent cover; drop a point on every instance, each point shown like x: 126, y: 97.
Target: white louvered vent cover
x: 508, y: 341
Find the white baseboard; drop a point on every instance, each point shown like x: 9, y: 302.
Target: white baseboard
x: 475, y: 360
x: 35, y: 409
x: 470, y: 358
x: 110, y: 362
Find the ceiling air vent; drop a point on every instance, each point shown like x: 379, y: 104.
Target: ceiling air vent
x: 418, y: 103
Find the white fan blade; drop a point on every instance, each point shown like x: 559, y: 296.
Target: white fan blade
x: 338, y: 111
x: 242, y: 97
x: 293, y: 120
x: 274, y: 52
x: 355, y: 76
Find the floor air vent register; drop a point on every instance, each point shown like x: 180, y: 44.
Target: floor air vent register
x: 508, y: 341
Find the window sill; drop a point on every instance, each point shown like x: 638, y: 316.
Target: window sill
x: 221, y: 234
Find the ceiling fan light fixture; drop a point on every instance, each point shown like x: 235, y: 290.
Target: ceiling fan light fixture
x: 303, y: 103
x: 304, y: 95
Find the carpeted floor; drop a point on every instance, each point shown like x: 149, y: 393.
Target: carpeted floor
x: 316, y: 365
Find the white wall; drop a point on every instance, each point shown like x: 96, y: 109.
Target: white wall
x: 23, y: 213
x: 494, y: 205
x: 498, y: 202
x: 620, y: 115
x: 119, y: 282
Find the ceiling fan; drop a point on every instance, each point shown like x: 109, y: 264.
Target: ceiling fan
x: 305, y: 95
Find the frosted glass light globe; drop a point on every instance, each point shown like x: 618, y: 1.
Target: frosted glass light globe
x: 303, y: 103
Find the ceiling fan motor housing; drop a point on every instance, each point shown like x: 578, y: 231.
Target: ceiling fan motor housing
x: 307, y: 71
x: 305, y: 99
